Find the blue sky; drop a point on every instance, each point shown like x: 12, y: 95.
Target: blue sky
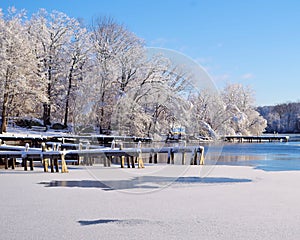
x: 253, y: 42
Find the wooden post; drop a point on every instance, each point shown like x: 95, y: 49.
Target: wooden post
x: 44, y: 160
x: 64, y: 168
x: 91, y: 161
x: 58, y: 148
x: 183, y: 157
x: 169, y: 156
x: 194, y: 157
x: 86, y: 156
x: 132, y: 161
x: 128, y: 161
x: 6, y: 162
x: 85, y: 159
x: 183, y: 154
x: 172, y: 156
x: 24, y: 160
x: 109, y: 160
x: 79, y: 157
x: 140, y: 160
x: 31, y: 164
x: 151, y: 156
x: 105, y: 161
x: 201, y: 155
x: 140, y: 157
x: 122, y: 158
x: 24, y: 157
x: 51, y: 164
x: 51, y: 158
x: 56, y: 164
x: 155, y: 158
x: 13, y: 163
x: 113, y: 144
x: 45, y: 164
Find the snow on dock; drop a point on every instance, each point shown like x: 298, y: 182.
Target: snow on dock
x: 86, y: 156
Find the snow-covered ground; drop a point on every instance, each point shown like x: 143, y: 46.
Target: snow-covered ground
x: 24, y: 132
x: 227, y: 202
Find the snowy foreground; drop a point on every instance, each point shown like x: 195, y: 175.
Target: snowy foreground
x: 227, y: 202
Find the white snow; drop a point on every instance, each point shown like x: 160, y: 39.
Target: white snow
x: 228, y: 203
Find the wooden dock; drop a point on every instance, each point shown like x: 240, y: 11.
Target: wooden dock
x: 258, y: 139
x: 52, y: 158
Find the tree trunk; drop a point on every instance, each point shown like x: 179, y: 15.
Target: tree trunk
x: 4, y: 117
x: 5, y: 103
x: 46, y: 115
x: 67, y: 100
x: 69, y: 92
x: 102, y: 113
x: 66, y: 112
x: 47, y: 106
x: 101, y: 120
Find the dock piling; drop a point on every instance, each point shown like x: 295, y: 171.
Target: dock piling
x: 201, y: 155
x: 151, y: 156
x: 155, y: 158
x: 44, y: 160
x: 122, y: 158
x: 183, y: 154
x: 64, y: 168
x: 6, y: 162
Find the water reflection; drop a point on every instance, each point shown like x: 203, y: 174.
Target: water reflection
x: 233, y: 159
x: 264, y: 156
x: 273, y: 156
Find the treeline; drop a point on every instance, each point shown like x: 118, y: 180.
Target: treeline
x: 282, y: 118
x: 56, y: 69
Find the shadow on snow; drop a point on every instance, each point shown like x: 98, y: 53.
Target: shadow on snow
x: 144, y: 182
x: 117, y: 221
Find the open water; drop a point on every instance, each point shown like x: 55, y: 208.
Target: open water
x: 274, y: 156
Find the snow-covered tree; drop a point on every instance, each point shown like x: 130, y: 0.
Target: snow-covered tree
x: 210, y: 116
x: 282, y: 118
x: 78, y: 62
x: 52, y: 34
x: 103, y: 76
x: 118, y: 53
x: 20, y: 89
x: 239, y: 101
x: 229, y: 113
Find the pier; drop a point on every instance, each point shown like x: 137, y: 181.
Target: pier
x: 86, y: 156
x: 259, y: 139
